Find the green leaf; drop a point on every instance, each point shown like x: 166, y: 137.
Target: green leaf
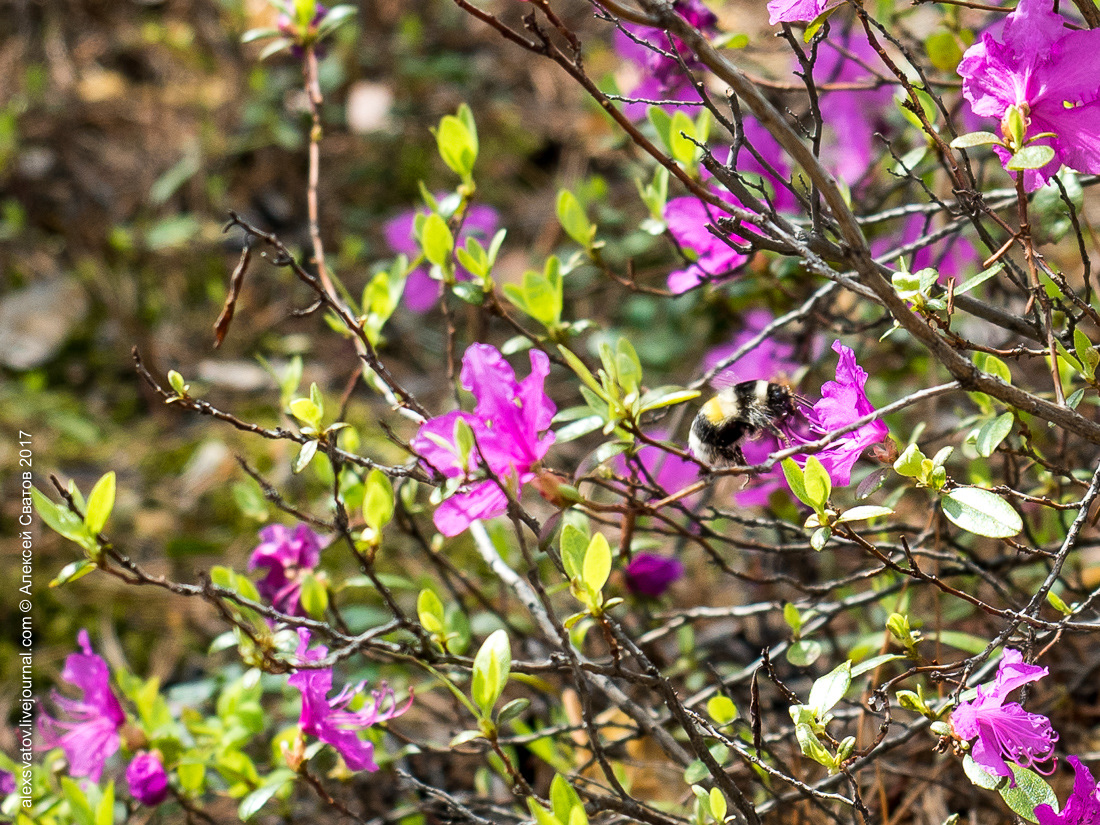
x: 973, y: 139
x: 982, y: 512
x: 963, y: 641
x: 253, y: 802
x: 78, y: 802
x: 814, y: 26
x: 105, y: 810
x: 306, y: 412
x: 513, y: 710
x: 100, y: 503
x: 680, y: 132
x: 662, y: 123
x: 980, y: 278
x: 943, y: 50
x: 795, y: 479
x: 574, y: 546
x: 437, y: 241
x: 1056, y: 601
x: 73, y: 571
x: 573, y: 220
x: 378, y: 501
x: 1030, y: 792
x: 585, y: 374
x: 863, y: 512
x: 457, y: 146
x: 874, y: 662
x: 492, y: 665
x: 563, y: 799
x: 830, y: 689
x: 429, y: 609
x: 1086, y: 353
x: 909, y: 463
x: 597, y: 563
x: 818, y: 484
x: 305, y: 455
x: 717, y: 805
x: 804, y: 652
x: 665, y: 397
x: 314, y: 595
x: 993, y: 433
x: 59, y: 518
x: 721, y: 709
x: 1035, y: 156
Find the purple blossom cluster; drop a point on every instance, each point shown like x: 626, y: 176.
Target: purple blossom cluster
x: 1048, y: 74
x: 286, y: 554
x: 510, y: 424
x: 327, y: 717
x: 658, y: 56
x: 1003, y: 731
x: 90, y: 736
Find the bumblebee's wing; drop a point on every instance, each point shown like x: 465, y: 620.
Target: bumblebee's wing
x: 726, y: 378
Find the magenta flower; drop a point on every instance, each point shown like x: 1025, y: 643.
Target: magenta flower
x: 842, y: 402
x: 421, y: 290
x: 328, y: 719
x: 286, y: 554
x: 663, y: 77
x: 1050, y: 73
x: 1006, y: 731
x: 853, y: 116
x: 687, y: 220
x: 147, y: 778
x: 7, y: 783
x: 91, y: 737
x: 509, y: 423
x: 794, y: 11
x: 651, y: 575
x: 1083, y: 805
x: 770, y: 358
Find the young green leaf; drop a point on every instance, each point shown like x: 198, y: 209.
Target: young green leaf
x: 982, y: 512
x: 597, y: 563
x: 100, y: 503
x: 378, y: 501
x: 492, y: 664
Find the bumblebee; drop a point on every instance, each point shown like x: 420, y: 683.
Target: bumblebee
x: 740, y: 411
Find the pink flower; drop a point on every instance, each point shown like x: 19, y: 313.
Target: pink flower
x: 509, y: 423
x: 1050, y: 73
x: 328, y: 719
x: 651, y: 575
x: 286, y: 554
x: 1083, y: 805
x: 91, y: 737
x: 795, y: 11
x: 768, y: 359
x: 687, y: 220
x: 663, y: 77
x: 1006, y: 731
x: 147, y: 779
x: 852, y: 116
x: 842, y: 402
x: 421, y: 290
x: 7, y: 783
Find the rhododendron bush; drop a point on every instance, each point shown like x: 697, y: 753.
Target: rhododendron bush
x: 467, y: 567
